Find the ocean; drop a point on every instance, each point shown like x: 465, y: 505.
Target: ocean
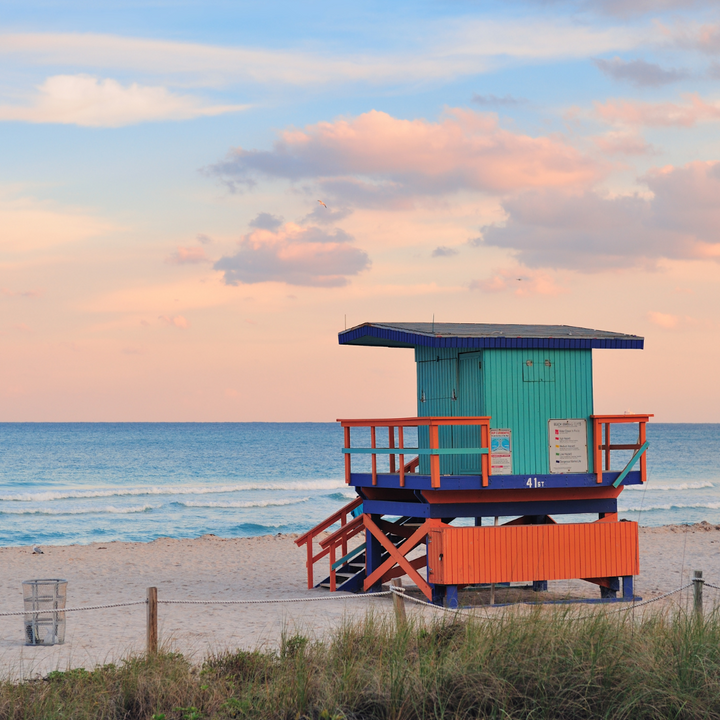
x: 64, y: 483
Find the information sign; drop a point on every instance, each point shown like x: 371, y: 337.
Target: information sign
x: 568, y: 446
x: 501, y: 449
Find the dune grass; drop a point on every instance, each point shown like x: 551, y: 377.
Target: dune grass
x: 547, y: 663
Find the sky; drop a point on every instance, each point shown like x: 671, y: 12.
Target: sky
x: 164, y: 254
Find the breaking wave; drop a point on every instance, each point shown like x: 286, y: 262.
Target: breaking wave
x: 110, y: 509
x: 242, y: 504
x: 666, y: 486
x: 672, y: 506
x: 50, y: 495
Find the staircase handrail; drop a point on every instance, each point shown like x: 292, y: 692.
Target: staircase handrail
x: 308, y: 537
x: 331, y: 520
x: 344, y: 533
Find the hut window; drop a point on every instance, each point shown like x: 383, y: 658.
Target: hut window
x: 540, y: 371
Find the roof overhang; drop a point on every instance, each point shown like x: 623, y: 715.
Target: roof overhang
x: 478, y: 336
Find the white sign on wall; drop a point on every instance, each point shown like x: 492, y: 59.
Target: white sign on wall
x: 567, y: 443
x: 501, y: 449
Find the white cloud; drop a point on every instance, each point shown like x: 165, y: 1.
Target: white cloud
x: 91, y: 102
x: 457, y: 48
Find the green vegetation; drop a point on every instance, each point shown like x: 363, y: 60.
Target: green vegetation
x: 547, y: 663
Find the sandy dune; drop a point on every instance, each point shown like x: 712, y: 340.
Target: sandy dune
x: 268, y: 567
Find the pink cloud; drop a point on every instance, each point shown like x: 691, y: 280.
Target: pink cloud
x: 591, y: 232
x: 519, y: 283
x: 377, y: 159
x: 294, y: 255
x: 623, y: 143
x: 692, y: 36
x: 668, y: 321
x: 188, y: 256
x: 178, y: 321
x: 663, y: 320
x: 637, y: 113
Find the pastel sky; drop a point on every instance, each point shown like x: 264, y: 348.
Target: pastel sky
x: 164, y: 256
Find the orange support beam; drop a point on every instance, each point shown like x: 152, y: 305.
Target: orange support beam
x: 397, y: 555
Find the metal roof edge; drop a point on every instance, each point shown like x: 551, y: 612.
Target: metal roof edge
x: 401, y: 338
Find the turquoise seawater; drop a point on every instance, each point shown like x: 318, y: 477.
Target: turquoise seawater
x: 83, y: 482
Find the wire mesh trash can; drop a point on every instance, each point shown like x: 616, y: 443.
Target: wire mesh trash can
x: 41, y: 597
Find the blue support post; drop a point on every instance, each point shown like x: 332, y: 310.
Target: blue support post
x: 451, y: 596
x: 627, y: 587
x: 438, y: 594
x: 373, y: 552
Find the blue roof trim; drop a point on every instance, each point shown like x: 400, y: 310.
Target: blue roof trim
x: 407, y: 339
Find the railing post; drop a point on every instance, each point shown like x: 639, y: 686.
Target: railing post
x: 607, y: 447
x: 373, y: 444
x: 348, y: 456
x: 698, y: 593
x: 310, y: 563
x: 401, y: 444
x: 152, y: 621
x: 434, y: 434
x: 343, y: 523
x: 391, y: 444
x: 485, y: 460
x: 398, y: 604
x: 332, y: 569
x: 597, y: 449
x: 643, y: 461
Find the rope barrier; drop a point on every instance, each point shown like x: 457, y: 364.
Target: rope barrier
x: 74, y: 609
x: 459, y: 611
x: 265, y: 602
x: 198, y: 602
x: 368, y: 596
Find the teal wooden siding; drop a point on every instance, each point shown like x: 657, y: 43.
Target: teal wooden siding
x: 437, y: 393
x: 524, y: 397
x: 423, y: 354
x: 518, y: 389
x: 469, y: 404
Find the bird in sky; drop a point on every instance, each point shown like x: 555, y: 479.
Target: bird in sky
x: 37, y: 550
x: 323, y: 204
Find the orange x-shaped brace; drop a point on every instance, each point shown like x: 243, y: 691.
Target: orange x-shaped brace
x: 397, y: 555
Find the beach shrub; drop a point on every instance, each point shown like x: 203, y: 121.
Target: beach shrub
x: 543, y: 663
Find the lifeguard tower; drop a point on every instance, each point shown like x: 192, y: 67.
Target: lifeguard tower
x: 505, y: 428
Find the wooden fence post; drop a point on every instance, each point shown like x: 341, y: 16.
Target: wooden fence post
x: 698, y: 592
x: 398, y: 603
x: 152, y: 621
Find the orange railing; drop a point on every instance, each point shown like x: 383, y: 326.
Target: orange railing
x: 340, y: 539
x: 601, y: 443
x: 434, y: 451
x: 340, y: 516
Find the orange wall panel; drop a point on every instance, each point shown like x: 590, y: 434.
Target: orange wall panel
x: 523, y: 553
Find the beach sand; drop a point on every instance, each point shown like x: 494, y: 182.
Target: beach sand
x: 261, y: 568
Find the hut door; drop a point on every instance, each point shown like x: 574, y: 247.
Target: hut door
x: 469, y: 404
x: 437, y: 393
